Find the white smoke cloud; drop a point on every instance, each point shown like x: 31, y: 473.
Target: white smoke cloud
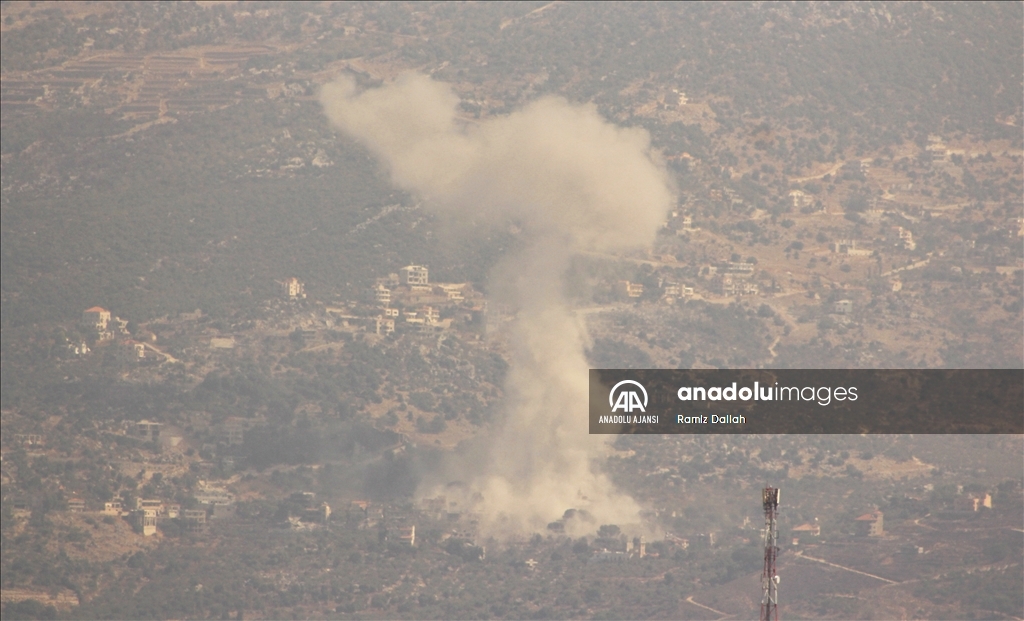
x: 574, y: 182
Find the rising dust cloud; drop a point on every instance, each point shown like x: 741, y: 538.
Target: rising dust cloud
x: 573, y: 182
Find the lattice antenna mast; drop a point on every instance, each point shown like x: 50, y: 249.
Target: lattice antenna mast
x: 769, y: 579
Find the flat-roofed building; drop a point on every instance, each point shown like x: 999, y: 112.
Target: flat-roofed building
x: 234, y: 428
x: 799, y: 198
x: 384, y: 325
x: 452, y: 292
x: 148, y: 430
x: 195, y: 519
x: 208, y: 495
x: 733, y: 284
x: 415, y: 275
x: 145, y: 521
x: 407, y: 535
x: 29, y: 439
x: 430, y: 314
x: 149, y: 503
x: 381, y: 294
x: 96, y: 319
x: 113, y: 507
x: 293, y: 288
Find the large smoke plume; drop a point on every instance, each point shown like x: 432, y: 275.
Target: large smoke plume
x: 573, y: 182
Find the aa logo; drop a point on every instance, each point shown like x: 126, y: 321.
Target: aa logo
x: 622, y: 400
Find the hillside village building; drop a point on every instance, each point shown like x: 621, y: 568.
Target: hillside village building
x: 316, y: 514
x: 673, y: 291
x: 209, y: 495
x: 131, y: 351
x: 28, y: 439
x: 233, y: 430
x: 799, y: 198
x: 871, y: 524
x: 294, y: 289
x: 903, y: 238
x: 452, y: 291
x: 384, y: 325
x: 195, y: 519
x: 415, y: 275
x: 195, y: 315
x: 79, y: 350
x: 681, y: 224
x: 731, y: 278
x: 407, y: 535
x: 806, y: 529
x: 96, y: 319
x: 608, y: 556
x: 974, y: 502
x: 638, y: 546
x: 148, y: 430
x: 149, y: 503
x: 430, y: 314
x: 733, y: 284
x: 381, y: 294
x: 145, y: 521
x: 849, y: 247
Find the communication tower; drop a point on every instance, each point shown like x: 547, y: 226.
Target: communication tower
x: 769, y: 579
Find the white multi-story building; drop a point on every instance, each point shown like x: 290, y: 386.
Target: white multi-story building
x: 381, y: 295
x: 145, y: 521
x: 730, y: 284
x: 294, y: 288
x: 407, y: 535
x: 842, y: 307
x: 453, y: 292
x: 208, y: 495
x: 148, y: 430
x: 384, y: 325
x: 96, y: 319
x: 905, y: 237
x: 673, y: 290
x: 430, y: 314
x: 415, y: 275
x: 799, y: 198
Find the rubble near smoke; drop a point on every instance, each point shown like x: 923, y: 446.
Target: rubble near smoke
x: 575, y: 183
